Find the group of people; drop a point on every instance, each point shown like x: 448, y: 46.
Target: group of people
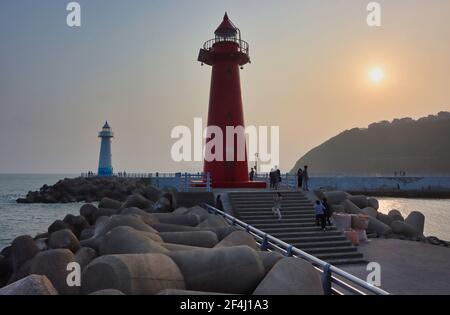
x: 323, y: 213
x: 303, y: 178
x: 275, y: 178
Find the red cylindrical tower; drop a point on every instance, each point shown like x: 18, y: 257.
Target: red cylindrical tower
x: 226, y: 53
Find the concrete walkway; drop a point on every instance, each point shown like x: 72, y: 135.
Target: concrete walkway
x: 407, y: 267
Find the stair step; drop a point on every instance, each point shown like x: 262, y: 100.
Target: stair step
x: 270, y: 216
x: 273, y: 231
x: 306, y: 245
x: 309, y: 239
x: 269, y: 208
x: 264, y: 226
x: 305, y: 233
x: 338, y: 255
x: 323, y: 250
x: 282, y: 221
x: 346, y: 261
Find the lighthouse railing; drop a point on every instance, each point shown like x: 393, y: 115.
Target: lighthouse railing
x: 244, y: 47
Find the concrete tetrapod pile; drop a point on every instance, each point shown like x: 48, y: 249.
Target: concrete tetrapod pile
x: 132, y: 248
x: 391, y: 225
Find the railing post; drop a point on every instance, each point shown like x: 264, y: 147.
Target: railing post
x: 289, y: 251
x: 326, y: 280
x: 208, y: 182
x: 264, y: 243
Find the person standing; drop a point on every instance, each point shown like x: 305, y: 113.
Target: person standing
x: 252, y: 175
x: 319, y: 209
x: 276, y: 209
x: 305, y: 179
x: 272, y: 178
x: 278, y: 178
x: 219, y: 204
x: 300, y: 178
x: 328, y: 212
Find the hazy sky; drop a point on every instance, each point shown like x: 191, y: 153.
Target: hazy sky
x: 133, y: 63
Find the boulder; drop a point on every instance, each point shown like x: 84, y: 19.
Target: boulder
x: 350, y: 207
x: 138, y: 274
x: 403, y: 228
x: 337, y: 208
x: 22, y: 272
x: 87, y: 211
x: 31, y: 285
x: 64, y: 239
x: 87, y: 233
x: 179, y: 247
x: 151, y: 193
x: 107, y: 292
x: 181, y: 210
x: 137, y: 201
x: 396, y: 215
x: 359, y: 200
x: 234, y: 270
x: 84, y: 256
x: 164, y: 227
x: 269, y: 259
x: 109, y: 203
x: 145, y: 216
x: 371, y: 212
x: 360, y: 221
x: 291, y: 276
x: 53, y: 264
x: 373, y: 202
x: 6, y: 270
x: 186, y: 219
x: 57, y: 225
x: 214, y: 221
x: 162, y: 205
x: 238, y: 238
x: 192, y: 198
x: 342, y: 221
x: 200, y: 212
x: 376, y: 226
x: 416, y: 220
x: 336, y: 197
x: 126, y: 240
x: 223, y: 232
x: 78, y: 224
x: 384, y: 218
x: 23, y: 248
x: 104, y: 212
x: 192, y: 238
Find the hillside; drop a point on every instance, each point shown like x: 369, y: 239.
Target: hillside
x: 418, y: 147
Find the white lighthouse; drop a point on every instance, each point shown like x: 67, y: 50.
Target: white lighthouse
x: 105, y: 164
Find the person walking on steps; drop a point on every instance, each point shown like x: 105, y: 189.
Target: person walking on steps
x: 305, y: 179
x: 319, y: 209
x: 252, y: 175
x: 328, y: 212
x: 276, y: 209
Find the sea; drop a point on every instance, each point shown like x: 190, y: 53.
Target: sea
x: 31, y: 219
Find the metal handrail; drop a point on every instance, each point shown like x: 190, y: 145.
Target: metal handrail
x: 244, y: 47
x: 267, y: 240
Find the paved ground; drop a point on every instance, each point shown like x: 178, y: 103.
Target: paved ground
x: 407, y: 267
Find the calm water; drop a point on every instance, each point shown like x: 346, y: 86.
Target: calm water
x: 17, y: 219
x: 436, y: 211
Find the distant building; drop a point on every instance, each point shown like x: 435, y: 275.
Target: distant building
x: 105, y: 164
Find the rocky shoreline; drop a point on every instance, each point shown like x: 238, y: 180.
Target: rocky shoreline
x: 149, y: 244
x: 347, y: 208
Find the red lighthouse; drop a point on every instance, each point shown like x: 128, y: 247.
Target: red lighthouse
x: 227, y: 53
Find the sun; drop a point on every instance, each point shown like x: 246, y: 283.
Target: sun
x: 376, y: 74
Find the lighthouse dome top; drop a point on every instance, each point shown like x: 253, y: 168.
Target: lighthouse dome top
x: 106, y: 126
x: 226, y: 28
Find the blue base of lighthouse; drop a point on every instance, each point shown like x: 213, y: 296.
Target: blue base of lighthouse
x: 105, y: 172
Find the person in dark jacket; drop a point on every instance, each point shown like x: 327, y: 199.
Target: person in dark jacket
x: 219, y: 204
x: 328, y: 212
x: 300, y: 178
x: 252, y: 175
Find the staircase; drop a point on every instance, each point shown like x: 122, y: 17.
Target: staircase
x: 297, y: 227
